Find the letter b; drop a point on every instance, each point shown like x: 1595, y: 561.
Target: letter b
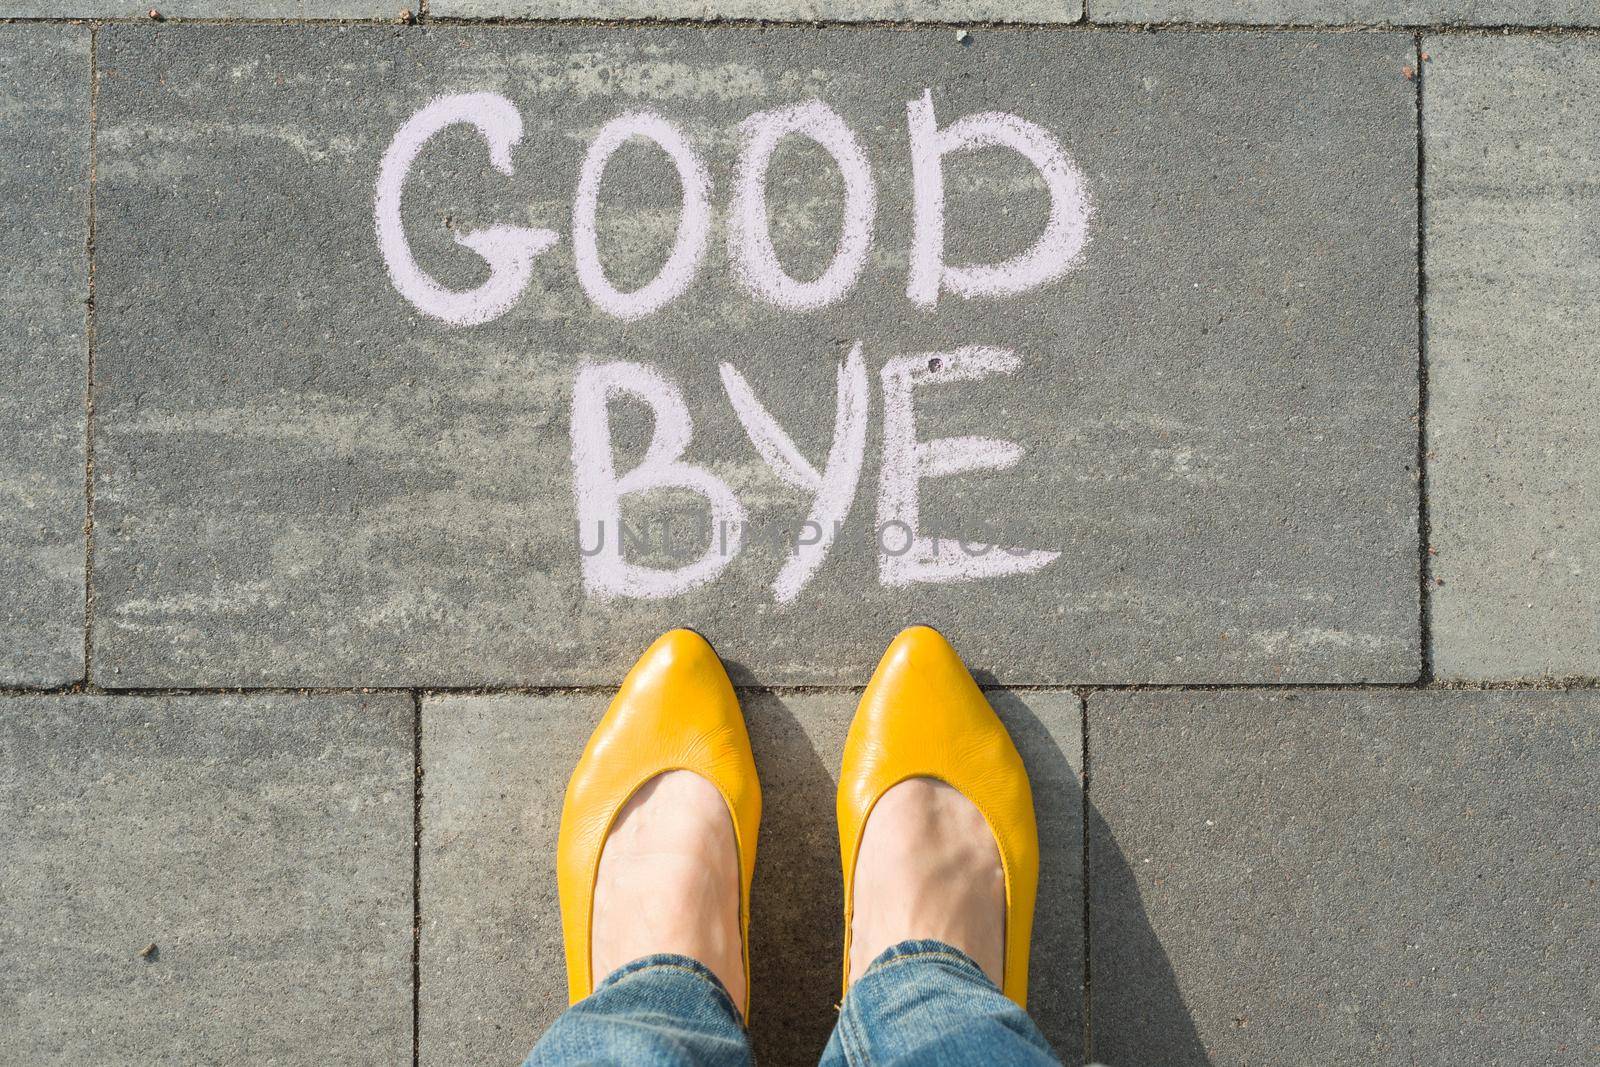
x: 599, y: 490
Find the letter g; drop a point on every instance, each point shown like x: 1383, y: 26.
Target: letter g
x: 509, y: 250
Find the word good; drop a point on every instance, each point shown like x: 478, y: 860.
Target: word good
x: 510, y: 251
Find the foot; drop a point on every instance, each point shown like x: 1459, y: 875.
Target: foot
x: 669, y: 881
x: 928, y: 867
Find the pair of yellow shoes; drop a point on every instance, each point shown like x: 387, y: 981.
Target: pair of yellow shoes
x: 922, y: 716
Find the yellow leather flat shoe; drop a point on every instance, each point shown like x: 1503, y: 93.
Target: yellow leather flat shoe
x: 675, y: 711
x: 922, y: 716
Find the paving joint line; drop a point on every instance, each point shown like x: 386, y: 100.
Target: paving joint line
x: 1424, y: 525
x: 1083, y: 876
x: 1083, y: 690
x: 416, y: 879
x: 1415, y: 28
x: 89, y: 338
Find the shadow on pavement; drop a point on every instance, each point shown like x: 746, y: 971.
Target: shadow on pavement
x: 1138, y: 1016
x: 796, y: 924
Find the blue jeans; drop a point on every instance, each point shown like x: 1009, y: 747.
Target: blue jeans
x: 921, y: 1002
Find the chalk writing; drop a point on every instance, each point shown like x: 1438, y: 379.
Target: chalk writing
x: 599, y: 489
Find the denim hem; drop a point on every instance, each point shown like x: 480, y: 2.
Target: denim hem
x: 923, y: 948
x: 667, y: 961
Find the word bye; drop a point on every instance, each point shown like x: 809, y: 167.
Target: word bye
x: 510, y: 251
x: 600, y: 490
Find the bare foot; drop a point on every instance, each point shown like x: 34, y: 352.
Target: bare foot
x: 928, y: 867
x: 669, y: 881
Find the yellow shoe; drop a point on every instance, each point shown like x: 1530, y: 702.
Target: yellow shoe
x: 675, y: 711
x: 922, y: 716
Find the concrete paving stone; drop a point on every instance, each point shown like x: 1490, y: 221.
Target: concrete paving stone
x: 44, y: 181
x: 205, y: 9
x: 301, y: 479
x: 206, y: 879
x: 1512, y: 146
x: 493, y: 973
x: 1352, y: 12
x: 1344, y: 877
x: 776, y: 10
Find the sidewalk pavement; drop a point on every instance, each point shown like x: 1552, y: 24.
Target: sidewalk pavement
x: 1284, y: 452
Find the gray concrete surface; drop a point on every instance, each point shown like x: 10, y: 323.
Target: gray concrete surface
x: 206, y: 9
x: 1352, y: 12
x: 261, y: 844
x: 44, y: 143
x: 1344, y: 877
x: 495, y: 768
x: 777, y: 10
x: 301, y: 480
x: 1540, y: 13
x: 1513, y: 145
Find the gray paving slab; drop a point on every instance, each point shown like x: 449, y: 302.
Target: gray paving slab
x: 1344, y: 877
x: 1512, y: 144
x: 495, y: 767
x: 44, y: 181
x: 206, y: 879
x: 205, y: 9
x: 305, y: 477
x: 776, y: 10
x: 1352, y: 12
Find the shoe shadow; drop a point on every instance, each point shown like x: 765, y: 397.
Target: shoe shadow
x: 1132, y: 1011
x: 1138, y: 1015
x: 796, y: 921
x: 1046, y: 728
x: 797, y: 907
